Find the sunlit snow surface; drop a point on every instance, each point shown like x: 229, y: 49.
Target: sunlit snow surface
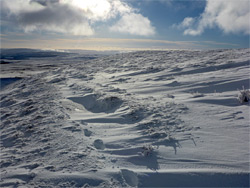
x: 146, y: 119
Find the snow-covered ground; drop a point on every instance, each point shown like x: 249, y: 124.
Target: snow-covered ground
x: 141, y: 119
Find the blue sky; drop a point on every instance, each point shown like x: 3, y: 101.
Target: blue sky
x: 125, y: 25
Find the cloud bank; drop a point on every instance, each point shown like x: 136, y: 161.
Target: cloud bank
x: 77, y: 17
x: 230, y: 16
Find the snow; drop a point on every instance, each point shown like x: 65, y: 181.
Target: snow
x: 140, y: 119
x: 6, y: 81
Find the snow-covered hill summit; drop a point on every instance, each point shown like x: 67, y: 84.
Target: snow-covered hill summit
x: 141, y: 119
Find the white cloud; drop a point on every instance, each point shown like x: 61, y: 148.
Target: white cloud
x: 187, y: 22
x: 122, y: 8
x: 95, y: 10
x: 230, y: 16
x: 48, y: 15
x: 55, y: 18
x: 17, y: 6
x: 77, y: 17
x: 134, y: 24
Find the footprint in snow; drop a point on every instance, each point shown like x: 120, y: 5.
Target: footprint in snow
x: 99, y: 144
x: 130, y: 177
x: 87, y: 132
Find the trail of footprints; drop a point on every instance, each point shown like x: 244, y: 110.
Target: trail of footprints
x: 158, y: 121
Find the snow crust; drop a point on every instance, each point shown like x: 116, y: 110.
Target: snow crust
x: 141, y: 119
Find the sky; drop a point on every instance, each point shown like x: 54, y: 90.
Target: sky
x: 125, y: 24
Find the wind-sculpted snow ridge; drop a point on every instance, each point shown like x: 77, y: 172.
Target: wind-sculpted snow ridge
x: 141, y: 119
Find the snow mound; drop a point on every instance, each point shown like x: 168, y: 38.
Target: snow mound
x: 96, y: 104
